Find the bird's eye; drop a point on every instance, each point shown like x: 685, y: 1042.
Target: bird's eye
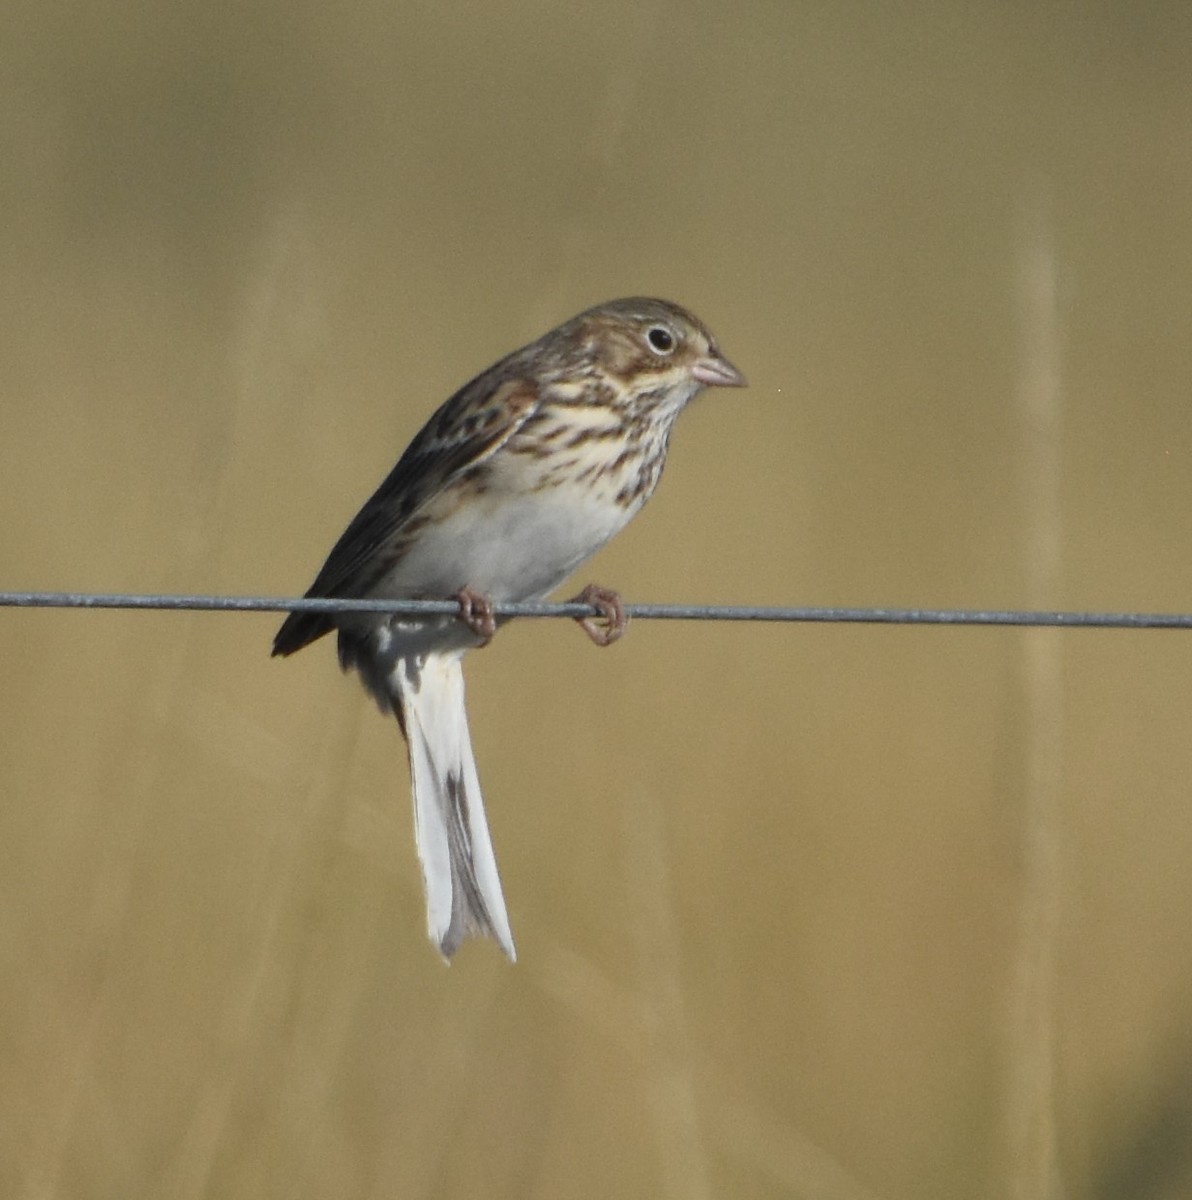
x: 661, y: 340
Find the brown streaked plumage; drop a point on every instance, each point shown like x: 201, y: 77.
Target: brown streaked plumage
x: 517, y: 479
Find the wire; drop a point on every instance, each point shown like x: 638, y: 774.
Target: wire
x: 649, y: 612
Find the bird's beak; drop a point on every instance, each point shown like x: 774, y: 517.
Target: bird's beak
x: 715, y: 371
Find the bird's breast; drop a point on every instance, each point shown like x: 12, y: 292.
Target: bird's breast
x: 516, y: 525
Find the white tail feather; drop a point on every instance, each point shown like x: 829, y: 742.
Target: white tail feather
x: 463, y: 888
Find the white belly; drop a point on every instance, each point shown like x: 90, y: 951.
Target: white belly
x: 511, y: 547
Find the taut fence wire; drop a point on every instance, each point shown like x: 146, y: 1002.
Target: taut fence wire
x: 647, y: 612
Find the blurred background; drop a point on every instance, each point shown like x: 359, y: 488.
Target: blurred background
x: 835, y: 912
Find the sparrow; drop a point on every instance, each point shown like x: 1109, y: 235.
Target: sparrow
x: 514, y: 482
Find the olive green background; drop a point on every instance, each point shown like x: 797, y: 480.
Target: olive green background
x: 831, y: 912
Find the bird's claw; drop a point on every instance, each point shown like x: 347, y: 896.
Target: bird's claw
x: 476, y: 612
x: 611, y: 619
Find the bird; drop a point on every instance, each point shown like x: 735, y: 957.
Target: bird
x: 517, y: 479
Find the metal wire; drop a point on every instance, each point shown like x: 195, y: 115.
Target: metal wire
x: 649, y: 612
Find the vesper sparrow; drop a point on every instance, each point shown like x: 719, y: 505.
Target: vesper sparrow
x: 517, y: 479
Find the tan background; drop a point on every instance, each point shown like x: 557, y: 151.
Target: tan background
x: 824, y: 912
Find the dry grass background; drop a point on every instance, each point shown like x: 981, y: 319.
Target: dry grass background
x: 825, y: 912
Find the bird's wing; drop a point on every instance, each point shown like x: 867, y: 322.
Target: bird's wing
x: 470, y: 427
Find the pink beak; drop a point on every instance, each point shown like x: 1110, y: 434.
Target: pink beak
x: 715, y: 371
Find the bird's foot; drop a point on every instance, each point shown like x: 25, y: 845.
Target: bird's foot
x: 610, y: 621
x: 476, y: 612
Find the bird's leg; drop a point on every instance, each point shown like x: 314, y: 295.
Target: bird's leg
x: 611, y: 620
x: 476, y: 612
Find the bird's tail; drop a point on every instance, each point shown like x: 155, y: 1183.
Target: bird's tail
x: 463, y: 888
